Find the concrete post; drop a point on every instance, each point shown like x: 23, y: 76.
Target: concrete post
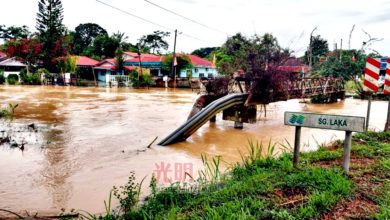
x: 347, y: 150
x: 297, y: 142
x: 368, y: 112
x: 238, y: 125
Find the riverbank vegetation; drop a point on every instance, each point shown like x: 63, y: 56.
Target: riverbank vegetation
x: 268, y: 187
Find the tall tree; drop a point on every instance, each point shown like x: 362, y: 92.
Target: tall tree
x: 155, y: 42
x: 319, y: 47
x: 84, y: 35
x: 14, y: 32
x: 51, y: 30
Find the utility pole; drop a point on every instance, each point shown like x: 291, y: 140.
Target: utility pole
x: 173, y: 61
x: 311, y: 48
x: 139, y: 61
x: 341, y: 47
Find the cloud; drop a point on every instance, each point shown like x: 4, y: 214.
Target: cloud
x: 186, y: 1
x: 383, y: 17
x: 332, y: 13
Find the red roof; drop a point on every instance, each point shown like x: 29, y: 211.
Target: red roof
x: 131, y: 53
x: 199, y: 62
x: 146, y: 58
x: 294, y: 65
x: 86, y: 61
x: 106, y: 64
x: 109, y: 64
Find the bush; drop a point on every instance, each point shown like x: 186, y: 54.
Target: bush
x: 12, y: 79
x: 29, y: 78
x: 23, y: 75
x: 145, y: 80
x: 2, y: 78
x: 33, y: 79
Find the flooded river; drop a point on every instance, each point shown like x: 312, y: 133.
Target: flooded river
x: 89, y: 139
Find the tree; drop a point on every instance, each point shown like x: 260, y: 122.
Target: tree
x: 105, y: 46
x: 252, y: 55
x: 351, y: 63
x: 183, y: 62
x: 51, y: 31
x: 119, y: 62
x: 319, y: 48
x: 26, y: 49
x: 84, y: 36
x: 14, y: 32
x: 155, y: 42
x: 204, y: 52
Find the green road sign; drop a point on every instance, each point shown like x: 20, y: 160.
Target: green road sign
x: 323, y: 121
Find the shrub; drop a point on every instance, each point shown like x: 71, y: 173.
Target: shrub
x: 145, y: 80
x: 33, y: 79
x: 29, y: 78
x: 12, y: 79
x: 2, y: 78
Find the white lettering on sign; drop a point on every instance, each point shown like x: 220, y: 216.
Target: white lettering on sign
x: 323, y: 121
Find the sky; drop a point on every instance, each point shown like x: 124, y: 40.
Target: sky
x: 291, y: 21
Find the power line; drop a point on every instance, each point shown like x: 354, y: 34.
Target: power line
x: 148, y: 21
x: 184, y: 17
x: 128, y: 13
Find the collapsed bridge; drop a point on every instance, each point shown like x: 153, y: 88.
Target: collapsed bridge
x: 240, y: 105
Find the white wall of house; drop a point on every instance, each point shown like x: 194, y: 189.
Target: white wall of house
x: 7, y: 73
x: 101, y: 74
x: 198, y: 72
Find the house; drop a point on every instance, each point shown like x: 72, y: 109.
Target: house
x: 105, y: 69
x: 86, y: 62
x: 201, y: 68
x: 148, y: 61
x: 85, y: 67
x: 295, y: 67
x: 11, y: 66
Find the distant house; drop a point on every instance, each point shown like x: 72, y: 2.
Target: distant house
x: 86, y: 62
x: 201, y: 68
x: 295, y: 67
x: 85, y: 67
x: 148, y: 61
x: 11, y: 66
x: 107, y: 68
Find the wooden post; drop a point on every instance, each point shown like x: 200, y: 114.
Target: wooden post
x: 94, y: 77
x: 368, y: 112
x: 237, y: 123
x: 347, y: 150
x: 387, y: 126
x: 297, y: 143
x: 173, y: 61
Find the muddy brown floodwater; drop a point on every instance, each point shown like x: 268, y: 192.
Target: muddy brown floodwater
x: 89, y: 139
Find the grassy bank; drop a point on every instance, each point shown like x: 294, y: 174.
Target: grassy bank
x: 264, y: 187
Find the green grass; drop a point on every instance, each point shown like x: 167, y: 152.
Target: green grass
x: 263, y: 186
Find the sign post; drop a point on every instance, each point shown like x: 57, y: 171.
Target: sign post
x: 370, y: 84
x: 324, y: 121
x: 386, y: 90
